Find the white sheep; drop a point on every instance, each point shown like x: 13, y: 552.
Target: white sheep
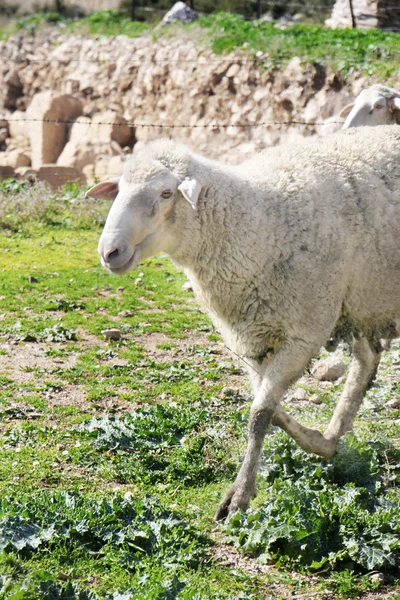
x: 296, y: 246
x: 376, y: 105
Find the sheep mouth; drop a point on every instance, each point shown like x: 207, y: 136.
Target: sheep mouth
x: 127, y: 266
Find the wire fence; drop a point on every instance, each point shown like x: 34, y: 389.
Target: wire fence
x: 210, y: 125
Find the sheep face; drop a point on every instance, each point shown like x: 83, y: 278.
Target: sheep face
x: 141, y: 221
x: 371, y: 108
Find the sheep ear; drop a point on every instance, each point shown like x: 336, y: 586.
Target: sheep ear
x: 395, y: 103
x: 346, y: 110
x: 106, y: 190
x: 190, y: 189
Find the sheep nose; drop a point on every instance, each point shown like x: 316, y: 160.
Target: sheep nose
x: 110, y: 255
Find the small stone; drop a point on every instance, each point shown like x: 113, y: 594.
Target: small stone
x: 32, y: 279
x: 138, y: 281
x: 187, y: 287
x: 377, y: 578
x: 315, y: 399
x: 63, y: 576
x: 395, y: 403
x: 112, y: 334
x: 299, y: 394
x: 329, y: 369
x: 125, y: 314
x: 228, y: 392
x: 120, y: 288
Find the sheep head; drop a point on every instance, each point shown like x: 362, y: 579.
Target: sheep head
x: 147, y: 197
x: 377, y: 105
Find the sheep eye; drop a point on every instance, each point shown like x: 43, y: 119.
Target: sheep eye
x: 166, y: 194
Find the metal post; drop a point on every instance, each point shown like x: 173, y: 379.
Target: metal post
x: 59, y: 6
x: 133, y: 6
x: 353, y: 19
x: 258, y: 9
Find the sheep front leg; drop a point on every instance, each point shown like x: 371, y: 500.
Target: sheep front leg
x: 281, y: 371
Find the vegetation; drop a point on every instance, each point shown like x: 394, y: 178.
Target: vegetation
x: 114, y: 455
x: 374, y: 52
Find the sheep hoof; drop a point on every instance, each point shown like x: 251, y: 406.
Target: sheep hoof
x: 237, y: 498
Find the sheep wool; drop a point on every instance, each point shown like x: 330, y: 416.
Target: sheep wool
x: 287, y: 252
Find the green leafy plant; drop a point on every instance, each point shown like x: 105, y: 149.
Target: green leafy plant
x: 325, y: 514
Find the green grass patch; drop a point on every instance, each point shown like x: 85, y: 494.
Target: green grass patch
x: 326, y: 514
x: 114, y: 455
x: 372, y: 51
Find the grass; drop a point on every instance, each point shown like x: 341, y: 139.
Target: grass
x: 114, y: 455
x: 373, y: 52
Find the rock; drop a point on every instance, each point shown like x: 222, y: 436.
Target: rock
x: 179, y: 12
x: 109, y: 125
x: 3, y: 134
x: 138, y: 281
x: 315, y: 399
x: 115, y: 166
x: 47, y: 136
x: 125, y: 314
x: 395, y: 403
x: 112, y: 334
x: 17, y: 125
x: 13, y: 89
x: 102, y: 165
x: 88, y: 172
x: 299, y: 395
x: 328, y: 369
x: 6, y: 170
x: 377, y: 578
x: 54, y: 175
x: 14, y: 159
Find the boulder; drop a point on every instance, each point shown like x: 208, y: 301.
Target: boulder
x: 17, y: 125
x: 96, y: 140
x: 54, y: 175
x: 14, y: 158
x: 179, y: 12
x: 115, y: 166
x: 50, y: 114
x: 105, y: 167
x: 109, y: 125
x: 6, y: 171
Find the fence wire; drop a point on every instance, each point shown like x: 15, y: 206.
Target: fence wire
x: 134, y: 124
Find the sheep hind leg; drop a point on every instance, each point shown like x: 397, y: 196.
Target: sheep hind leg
x: 310, y: 440
x: 363, y: 368
x: 362, y: 372
x: 284, y: 368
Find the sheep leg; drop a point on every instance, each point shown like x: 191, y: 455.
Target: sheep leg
x: 362, y: 371
x: 308, y: 439
x: 284, y: 368
x: 363, y: 368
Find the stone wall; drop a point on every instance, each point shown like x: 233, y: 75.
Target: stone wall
x: 84, y: 6
x: 118, y: 92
